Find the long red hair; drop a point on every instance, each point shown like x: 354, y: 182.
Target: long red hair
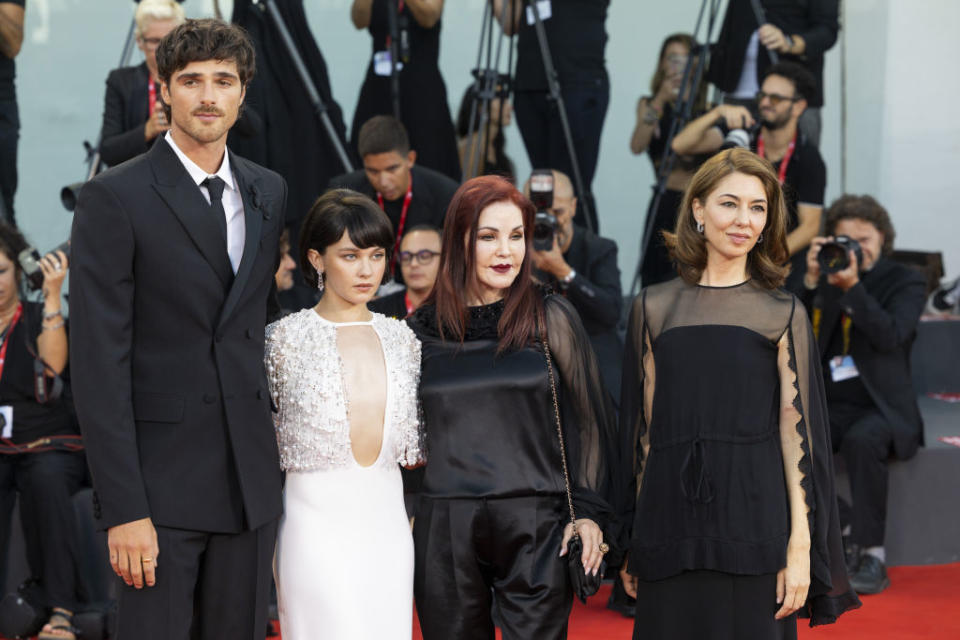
x: 457, y: 274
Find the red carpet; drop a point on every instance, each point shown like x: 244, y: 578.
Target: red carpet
x: 922, y: 602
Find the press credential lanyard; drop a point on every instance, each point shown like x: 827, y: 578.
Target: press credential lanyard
x: 786, y: 157
x: 407, y: 199
x: 6, y: 337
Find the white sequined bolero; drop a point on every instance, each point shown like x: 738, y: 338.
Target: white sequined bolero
x: 304, y: 372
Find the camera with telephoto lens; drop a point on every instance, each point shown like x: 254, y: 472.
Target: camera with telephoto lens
x: 545, y: 224
x: 834, y: 256
x: 29, y: 260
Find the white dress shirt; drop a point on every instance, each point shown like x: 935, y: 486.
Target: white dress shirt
x: 232, y: 202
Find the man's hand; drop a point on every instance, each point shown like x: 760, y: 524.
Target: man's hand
x: 157, y: 123
x: 847, y: 278
x: 812, y: 276
x: 552, y: 261
x: 773, y: 38
x: 134, y: 551
x: 629, y: 581
x: 736, y: 116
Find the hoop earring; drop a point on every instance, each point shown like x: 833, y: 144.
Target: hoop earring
x: 319, y: 280
x: 760, y: 239
x: 699, y: 227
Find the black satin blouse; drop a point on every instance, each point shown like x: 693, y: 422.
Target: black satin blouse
x: 489, y: 419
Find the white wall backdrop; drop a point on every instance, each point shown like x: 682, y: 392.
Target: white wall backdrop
x: 893, y: 70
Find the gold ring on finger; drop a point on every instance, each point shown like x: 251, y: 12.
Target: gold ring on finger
x: 604, y: 548
x: 146, y: 559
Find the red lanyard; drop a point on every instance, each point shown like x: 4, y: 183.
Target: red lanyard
x: 407, y: 199
x: 406, y: 301
x: 6, y: 337
x: 153, y: 95
x: 786, y: 157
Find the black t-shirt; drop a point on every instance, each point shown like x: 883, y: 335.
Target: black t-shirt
x: 31, y: 420
x: 7, y: 66
x: 432, y: 192
x: 577, y: 38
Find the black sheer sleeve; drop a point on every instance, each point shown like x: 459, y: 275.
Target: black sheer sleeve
x: 586, y: 415
x: 830, y: 593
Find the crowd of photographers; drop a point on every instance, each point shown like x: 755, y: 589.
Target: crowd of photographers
x: 864, y: 306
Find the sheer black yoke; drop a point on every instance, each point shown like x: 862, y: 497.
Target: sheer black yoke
x: 489, y: 420
x: 721, y: 386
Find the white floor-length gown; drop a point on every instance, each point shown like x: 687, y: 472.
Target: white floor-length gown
x: 344, y: 557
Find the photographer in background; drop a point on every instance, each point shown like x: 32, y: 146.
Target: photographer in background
x: 132, y: 114
x: 409, y: 194
x: 577, y: 38
x: 781, y: 101
x: 581, y: 265
x: 11, y: 39
x: 41, y: 456
x: 419, y: 260
x: 864, y: 309
x: 799, y: 32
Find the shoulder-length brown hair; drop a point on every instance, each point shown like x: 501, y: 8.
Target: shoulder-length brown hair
x: 688, y: 247
x: 457, y: 275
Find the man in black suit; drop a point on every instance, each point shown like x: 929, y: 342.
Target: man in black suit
x: 133, y: 117
x: 583, y: 266
x: 174, y: 257
x: 409, y: 194
x: 865, y: 318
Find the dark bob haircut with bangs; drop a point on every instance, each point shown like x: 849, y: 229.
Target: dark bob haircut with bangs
x: 340, y: 211
x: 457, y: 275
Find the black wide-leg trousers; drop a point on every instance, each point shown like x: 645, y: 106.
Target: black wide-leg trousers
x: 210, y: 586
x: 474, y: 555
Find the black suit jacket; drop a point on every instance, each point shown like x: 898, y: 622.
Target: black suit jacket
x: 816, y: 21
x: 167, y: 346
x: 885, y: 308
x: 125, y: 113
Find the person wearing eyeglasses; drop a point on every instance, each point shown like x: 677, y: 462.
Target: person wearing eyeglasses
x: 419, y: 260
x: 775, y: 136
x: 132, y: 115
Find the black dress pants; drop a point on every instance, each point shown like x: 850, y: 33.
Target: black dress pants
x: 539, y: 123
x: 209, y: 586
x: 46, y: 483
x: 474, y: 554
x: 865, y: 441
x: 9, y: 136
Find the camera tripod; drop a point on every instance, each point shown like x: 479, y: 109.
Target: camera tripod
x: 490, y: 83
x: 693, y: 74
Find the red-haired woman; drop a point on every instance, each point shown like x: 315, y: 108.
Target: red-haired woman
x: 493, y: 521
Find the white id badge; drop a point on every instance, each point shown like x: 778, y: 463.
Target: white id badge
x: 6, y: 421
x: 843, y: 368
x: 381, y: 63
x: 544, y: 7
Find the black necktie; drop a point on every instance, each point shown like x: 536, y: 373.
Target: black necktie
x: 215, y: 186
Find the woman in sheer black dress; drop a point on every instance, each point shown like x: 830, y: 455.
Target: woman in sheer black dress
x: 493, y: 523
x: 424, y: 110
x: 735, y: 527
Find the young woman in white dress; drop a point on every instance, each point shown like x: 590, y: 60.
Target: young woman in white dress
x: 344, y: 382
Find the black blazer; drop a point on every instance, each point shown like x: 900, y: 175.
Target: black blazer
x: 167, y: 347
x: 125, y: 113
x: 885, y: 308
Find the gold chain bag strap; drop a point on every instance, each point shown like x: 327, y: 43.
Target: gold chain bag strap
x: 584, y: 585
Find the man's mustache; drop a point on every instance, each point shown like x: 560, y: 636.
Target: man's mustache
x: 207, y: 111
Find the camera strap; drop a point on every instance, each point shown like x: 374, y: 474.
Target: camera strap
x: 407, y: 199
x: 6, y: 336
x: 785, y: 162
